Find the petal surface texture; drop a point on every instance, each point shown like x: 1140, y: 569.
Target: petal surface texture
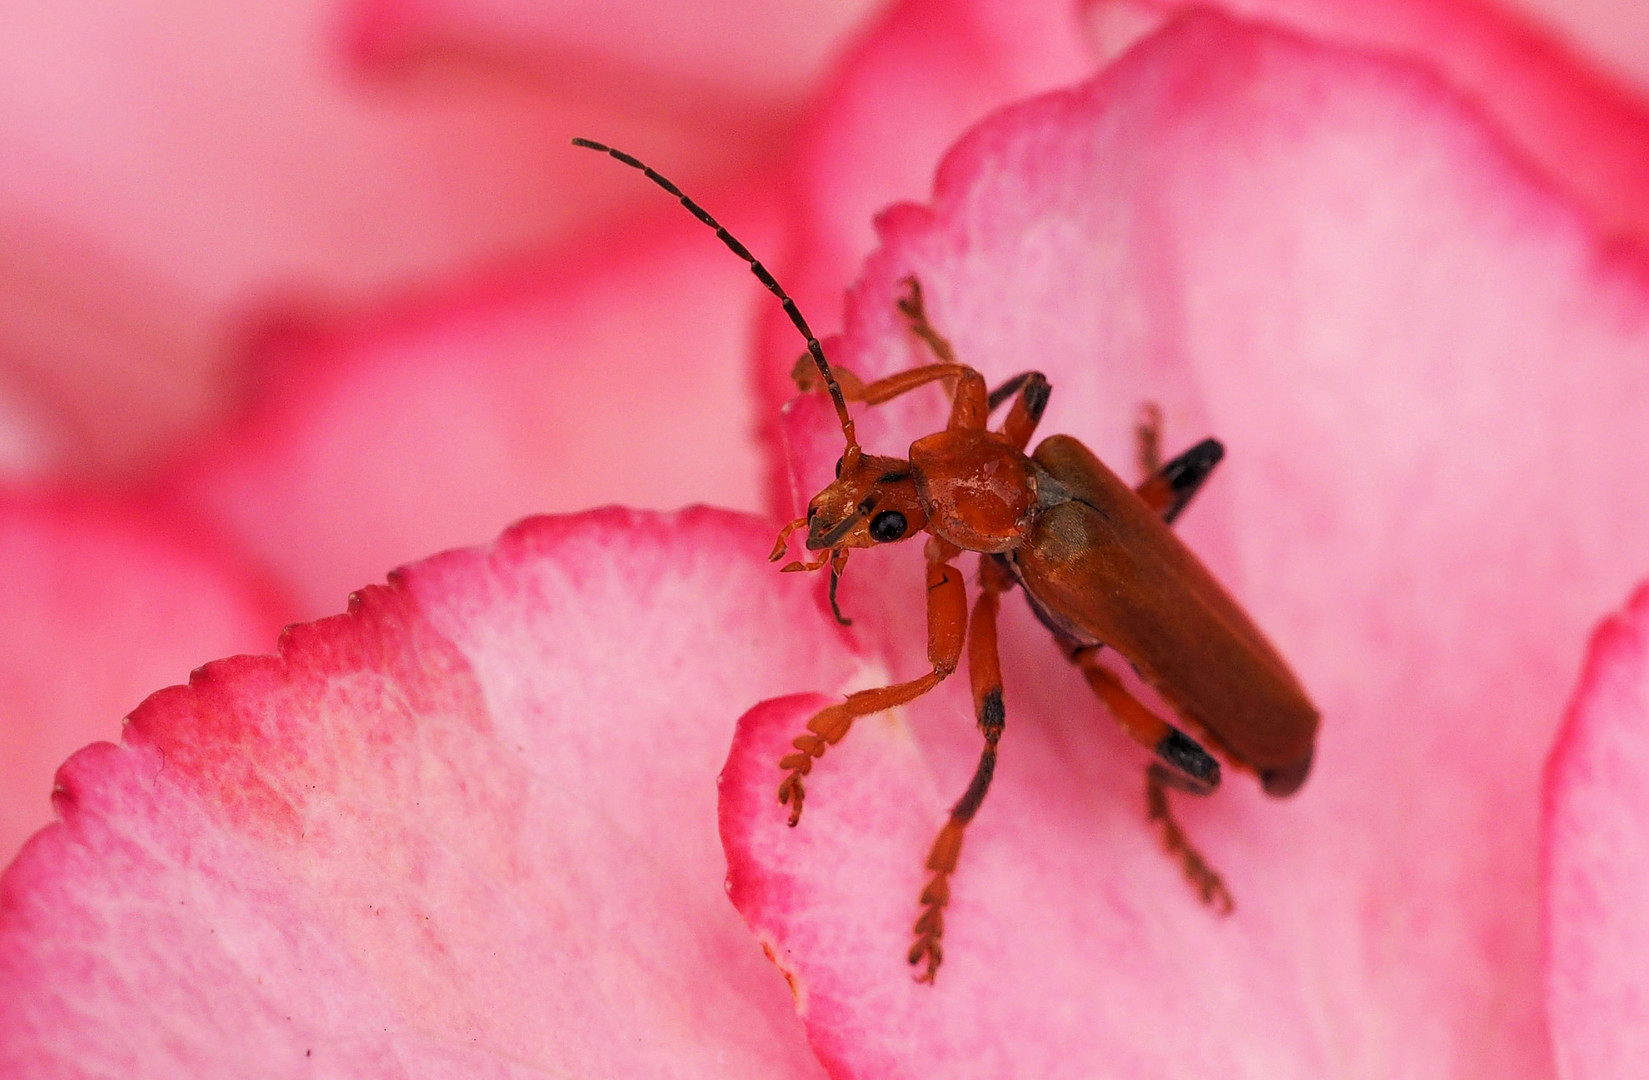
x: 1428, y: 371
x: 1597, y: 873
x: 467, y: 829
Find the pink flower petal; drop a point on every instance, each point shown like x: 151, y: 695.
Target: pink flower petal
x: 465, y: 830
x: 611, y: 374
x: 1428, y: 373
x: 928, y: 70
x: 768, y: 54
x: 1613, y: 33
x: 175, y: 171
x: 1578, y: 125
x: 99, y: 604
x: 1597, y: 830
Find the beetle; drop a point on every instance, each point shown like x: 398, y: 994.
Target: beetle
x: 1097, y: 563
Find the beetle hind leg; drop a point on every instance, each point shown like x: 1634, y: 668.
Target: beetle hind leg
x: 1203, y: 878
x: 1181, y: 763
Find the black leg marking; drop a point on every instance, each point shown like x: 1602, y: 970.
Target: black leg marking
x: 1186, y: 473
x: 1198, y: 772
x: 1036, y: 393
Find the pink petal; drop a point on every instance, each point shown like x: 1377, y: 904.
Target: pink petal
x: 465, y: 830
x: 176, y: 171
x: 1597, y: 829
x: 1584, y: 129
x: 1428, y: 373
x: 767, y: 53
x: 928, y: 70
x: 98, y: 605
x: 1613, y: 33
x: 611, y: 374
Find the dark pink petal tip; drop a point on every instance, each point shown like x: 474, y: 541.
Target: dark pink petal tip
x: 1597, y: 860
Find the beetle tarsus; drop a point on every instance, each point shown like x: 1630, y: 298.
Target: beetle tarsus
x: 791, y: 793
x: 1203, y: 878
x: 930, y: 925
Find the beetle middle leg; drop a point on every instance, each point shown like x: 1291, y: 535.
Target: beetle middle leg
x: 1169, y: 488
x: 985, y: 676
x: 1182, y: 764
x: 947, y: 628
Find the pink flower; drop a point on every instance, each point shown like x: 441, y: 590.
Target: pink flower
x: 467, y: 828
x: 317, y: 292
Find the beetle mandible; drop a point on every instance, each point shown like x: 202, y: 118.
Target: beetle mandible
x: 1097, y: 563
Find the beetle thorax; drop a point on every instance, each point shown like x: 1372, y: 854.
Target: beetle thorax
x: 978, y: 489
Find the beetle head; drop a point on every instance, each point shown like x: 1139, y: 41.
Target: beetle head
x: 872, y: 501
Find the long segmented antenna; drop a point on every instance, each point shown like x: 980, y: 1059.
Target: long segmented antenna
x: 851, y: 456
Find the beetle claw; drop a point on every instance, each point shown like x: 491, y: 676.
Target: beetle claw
x: 791, y: 793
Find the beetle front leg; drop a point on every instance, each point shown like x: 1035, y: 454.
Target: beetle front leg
x: 916, y: 315
x: 947, y: 628
x: 985, y: 675
x: 1182, y: 764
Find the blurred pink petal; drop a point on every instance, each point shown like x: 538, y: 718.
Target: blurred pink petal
x: 1615, y: 33
x: 768, y: 54
x: 931, y: 69
x: 176, y: 171
x: 99, y: 604
x: 1597, y: 879
x: 926, y: 71
x: 613, y: 373
x: 1427, y: 369
x: 467, y: 829
x: 1586, y: 130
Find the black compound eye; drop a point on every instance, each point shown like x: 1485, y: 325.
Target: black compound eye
x: 839, y: 466
x: 887, y: 526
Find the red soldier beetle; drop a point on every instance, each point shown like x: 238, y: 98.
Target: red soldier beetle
x: 1097, y: 563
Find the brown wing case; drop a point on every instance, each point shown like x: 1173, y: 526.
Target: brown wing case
x: 1115, y: 574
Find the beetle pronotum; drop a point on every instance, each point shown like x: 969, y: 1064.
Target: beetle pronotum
x: 1098, y: 565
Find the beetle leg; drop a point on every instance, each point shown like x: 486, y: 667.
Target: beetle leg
x: 947, y: 627
x: 1147, y: 433
x: 916, y: 314
x: 1169, y: 488
x: 805, y: 374
x: 1183, y: 764
x: 1030, y: 391
x: 1203, y: 878
x: 985, y: 676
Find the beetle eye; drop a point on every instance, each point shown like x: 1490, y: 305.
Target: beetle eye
x: 839, y: 467
x: 887, y: 526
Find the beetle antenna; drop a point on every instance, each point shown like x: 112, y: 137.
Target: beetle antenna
x: 762, y: 274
